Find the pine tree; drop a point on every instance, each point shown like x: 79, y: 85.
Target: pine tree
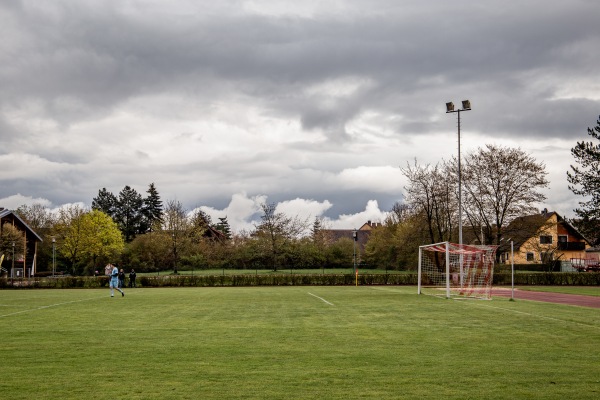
x: 105, y: 202
x: 585, y: 181
x: 200, y: 225
x: 129, y: 213
x: 152, y: 210
x: 223, y: 227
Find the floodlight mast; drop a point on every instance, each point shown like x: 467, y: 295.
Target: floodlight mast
x: 466, y: 106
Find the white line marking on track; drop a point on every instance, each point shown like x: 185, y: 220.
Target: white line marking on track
x: 50, y: 305
x: 322, y: 299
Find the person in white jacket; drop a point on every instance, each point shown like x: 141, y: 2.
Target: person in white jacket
x: 114, y: 281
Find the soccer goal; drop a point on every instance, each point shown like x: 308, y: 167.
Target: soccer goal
x: 451, y: 269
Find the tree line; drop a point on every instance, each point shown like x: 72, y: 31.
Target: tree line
x: 499, y: 184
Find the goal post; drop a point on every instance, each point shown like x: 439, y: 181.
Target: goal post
x: 451, y: 269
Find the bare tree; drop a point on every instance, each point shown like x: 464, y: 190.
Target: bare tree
x: 277, y: 231
x: 431, y: 193
x: 500, y: 184
x: 175, y: 222
x: 36, y: 215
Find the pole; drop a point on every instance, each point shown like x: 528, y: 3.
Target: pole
x: 448, y: 270
x: 512, y: 270
x: 460, y: 238
x: 355, y: 237
x: 460, y: 227
x: 466, y: 106
x: 53, y: 257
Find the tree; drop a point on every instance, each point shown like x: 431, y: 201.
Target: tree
x: 200, y: 224
x: 37, y: 216
x: 69, y: 232
x: 129, y: 213
x: 152, y: 210
x: 275, y: 233
x: 101, y: 240
x: 176, y: 223
x: 500, y: 184
x: 11, y: 241
x: 150, y: 252
x: 395, y: 244
x: 431, y: 194
x: 223, y: 227
x: 87, y: 238
x: 584, y: 181
x: 106, y: 202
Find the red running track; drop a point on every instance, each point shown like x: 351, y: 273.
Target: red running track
x: 560, y: 298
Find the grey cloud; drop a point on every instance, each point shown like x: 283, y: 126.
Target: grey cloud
x: 82, y: 61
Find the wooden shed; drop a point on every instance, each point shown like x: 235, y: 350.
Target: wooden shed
x: 19, y: 256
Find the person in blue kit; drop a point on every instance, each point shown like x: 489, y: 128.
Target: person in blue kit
x: 114, y: 281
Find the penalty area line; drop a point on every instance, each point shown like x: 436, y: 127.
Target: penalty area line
x: 322, y: 299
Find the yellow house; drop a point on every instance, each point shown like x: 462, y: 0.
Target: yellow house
x: 545, y: 237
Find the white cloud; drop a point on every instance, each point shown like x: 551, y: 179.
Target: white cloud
x: 15, y: 201
x: 354, y: 221
x: 243, y: 212
x: 303, y: 209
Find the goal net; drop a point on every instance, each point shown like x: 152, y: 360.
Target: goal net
x: 451, y: 269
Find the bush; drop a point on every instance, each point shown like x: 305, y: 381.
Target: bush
x: 500, y: 278
x: 549, y: 279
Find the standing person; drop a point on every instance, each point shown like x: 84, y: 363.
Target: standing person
x: 114, y: 282
x: 121, y: 278
x: 108, y: 270
x: 132, y: 276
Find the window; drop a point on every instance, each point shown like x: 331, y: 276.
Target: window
x: 563, y: 238
x: 545, y: 239
x: 530, y: 257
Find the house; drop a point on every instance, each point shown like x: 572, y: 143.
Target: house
x: 362, y: 234
x: 544, y: 237
x: 23, y: 245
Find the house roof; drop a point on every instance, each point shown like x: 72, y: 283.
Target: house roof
x: 4, y: 213
x: 521, y: 228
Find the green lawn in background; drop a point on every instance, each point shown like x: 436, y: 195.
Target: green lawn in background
x: 292, y: 343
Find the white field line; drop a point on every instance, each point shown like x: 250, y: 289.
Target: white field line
x: 322, y: 299
x: 49, y: 306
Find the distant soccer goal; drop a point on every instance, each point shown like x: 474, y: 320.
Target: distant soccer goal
x: 449, y: 269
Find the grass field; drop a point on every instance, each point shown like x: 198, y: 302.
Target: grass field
x: 292, y: 343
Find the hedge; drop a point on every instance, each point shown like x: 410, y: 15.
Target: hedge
x: 502, y: 279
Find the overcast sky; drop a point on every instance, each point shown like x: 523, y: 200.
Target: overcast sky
x: 313, y: 105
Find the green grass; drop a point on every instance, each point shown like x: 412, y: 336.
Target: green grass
x: 292, y: 343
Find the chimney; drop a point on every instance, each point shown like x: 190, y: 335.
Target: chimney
x: 544, y: 211
x: 369, y: 222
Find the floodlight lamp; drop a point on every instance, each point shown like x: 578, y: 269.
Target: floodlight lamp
x: 466, y: 105
x: 449, y: 107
